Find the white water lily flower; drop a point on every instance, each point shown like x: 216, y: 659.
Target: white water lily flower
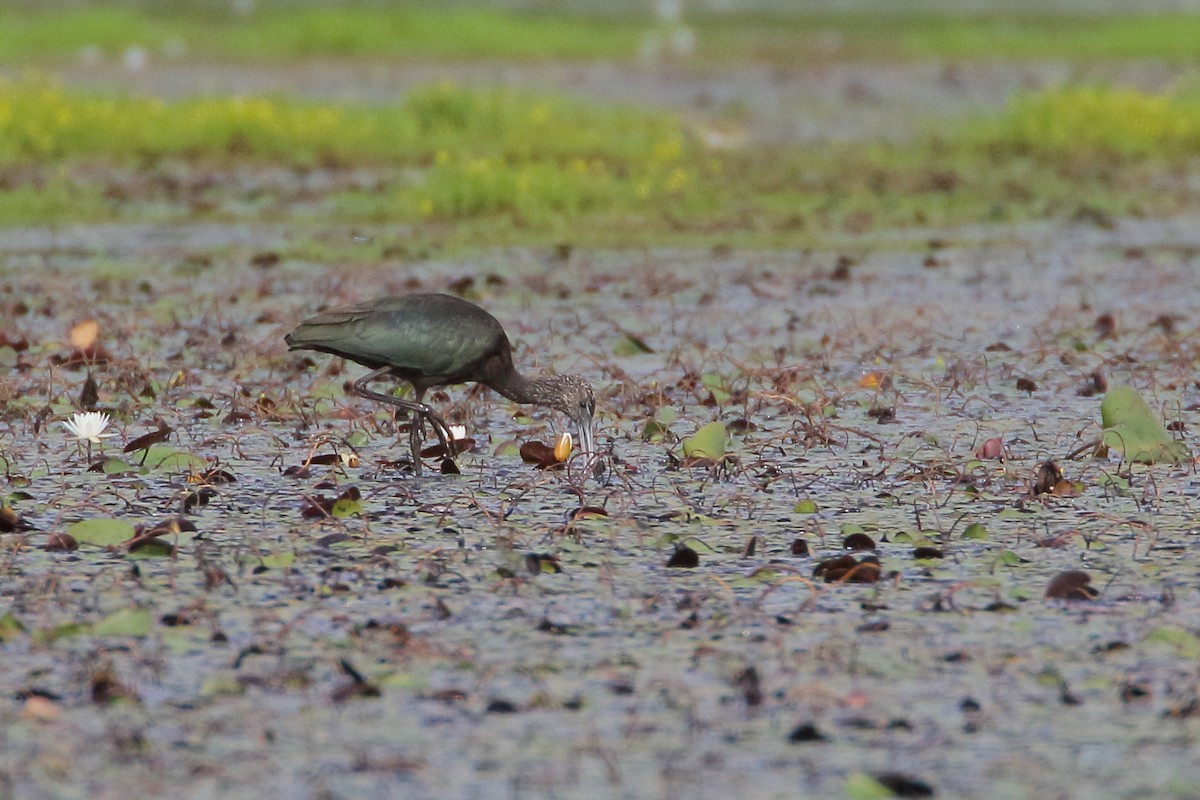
x: 89, y: 426
x: 458, y: 432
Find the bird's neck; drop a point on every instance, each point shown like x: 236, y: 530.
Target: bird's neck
x: 519, y: 389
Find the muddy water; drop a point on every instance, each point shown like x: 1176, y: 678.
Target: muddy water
x: 617, y: 676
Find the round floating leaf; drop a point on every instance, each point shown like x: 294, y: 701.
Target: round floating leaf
x: 10, y: 627
x: 168, y: 458
x: 864, y: 787
x: 1186, y: 643
x: 630, y: 345
x: 975, y: 530
x: 1133, y: 429
x: 805, y: 507
x: 345, y: 507
x: 708, y: 442
x: 103, y: 532
x: 278, y: 560
x: 126, y: 622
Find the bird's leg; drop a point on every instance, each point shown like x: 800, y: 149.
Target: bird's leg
x: 419, y: 409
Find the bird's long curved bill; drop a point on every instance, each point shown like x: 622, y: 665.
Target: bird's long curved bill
x: 587, y: 440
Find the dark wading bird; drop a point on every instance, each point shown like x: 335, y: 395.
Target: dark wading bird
x: 437, y: 340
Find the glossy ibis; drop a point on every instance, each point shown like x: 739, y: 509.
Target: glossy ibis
x: 437, y: 340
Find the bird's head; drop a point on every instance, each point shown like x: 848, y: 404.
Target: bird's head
x: 574, y: 397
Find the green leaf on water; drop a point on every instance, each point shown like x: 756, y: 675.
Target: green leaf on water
x: 850, y: 528
x: 155, y: 549
x: 715, y: 384
x: 509, y: 449
x: 103, y: 532
x: 10, y: 627
x: 630, y: 345
x: 975, y: 530
x: 221, y: 685
x: 1185, y: 643
x: 126, y: 622
x: 653, y: 430
x: 666, y: 414
x: 278, y: 560
x: 805, y: 507
x: 1114, y: 483
x: 902, y: 538
x: 117, y: 466
x: 45, y: 636
x: 345, y: 507
x: 1131, y: 428
x: 1008, y: 558
x: 860, y: 786
x: 167, y: 458
x: 358, y: 438
x: 708, y: 442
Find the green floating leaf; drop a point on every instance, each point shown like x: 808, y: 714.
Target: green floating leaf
x: 345, y: 507
x: 708, y: 442
x: 154, y: 549
x: 715, y: 384
x: 1131, y: 428
x: 102, y: 532
x: 1186, y: 643
x: 630, y: 345
x: 10, y: 628
x: 863, y: 787
x: 278, y: 560
x: 45, y: 636
x: 975, y: 530
x: 653, y: 430
x: 126, y: 622
x: 805, y: 507
x: 666, y: 415
x: 358, y: 438
x: 165, y: 457
x: 1008, y: 558
x: 221, y: 685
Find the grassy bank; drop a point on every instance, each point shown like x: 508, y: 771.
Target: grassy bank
x: 415, y: 31
x: 504, y: 165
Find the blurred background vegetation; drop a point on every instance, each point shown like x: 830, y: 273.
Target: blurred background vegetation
x: 670, y: 121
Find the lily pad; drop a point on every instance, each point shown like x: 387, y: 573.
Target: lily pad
x: 126, y: 622
x: 1133, y: 429
x: 103, y: 532
x: 708, y: 442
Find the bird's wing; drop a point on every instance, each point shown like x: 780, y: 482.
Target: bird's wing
x: 433, y: 335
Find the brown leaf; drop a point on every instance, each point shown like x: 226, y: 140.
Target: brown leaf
x: 858, y: 541
x: 89, y: 395
x: 1048, y: 476
x: 1073, y: 584
x: 11, y: 521
x: 849, y: 569
x: 154, y: 437
x: 538, y: 454
x: 684, y: 557
x: 60, y: 543
x: 993, y: 449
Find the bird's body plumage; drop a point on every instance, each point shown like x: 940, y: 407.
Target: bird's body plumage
x: 430, y: 339
x: 436, y: 340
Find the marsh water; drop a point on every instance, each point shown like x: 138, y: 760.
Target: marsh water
x: 473, y: 635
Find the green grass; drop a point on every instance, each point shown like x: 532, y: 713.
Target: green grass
x: 503, y: 166
x: 50, y: 33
